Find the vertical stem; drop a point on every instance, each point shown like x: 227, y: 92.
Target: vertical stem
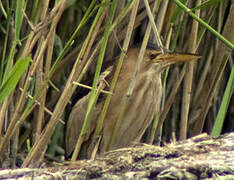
x: 187, y: 91
x: 93, y: 94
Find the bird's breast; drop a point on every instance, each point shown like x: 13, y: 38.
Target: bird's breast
x: 139, y: 111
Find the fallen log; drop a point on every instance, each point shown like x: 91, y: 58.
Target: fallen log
x: 200, y: 157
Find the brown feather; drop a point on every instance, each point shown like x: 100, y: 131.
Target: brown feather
x: 142, y: 106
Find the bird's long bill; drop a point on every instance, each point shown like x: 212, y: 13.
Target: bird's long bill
x: 171, y: 58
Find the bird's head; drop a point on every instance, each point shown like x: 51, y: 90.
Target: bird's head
x: 158, y: 60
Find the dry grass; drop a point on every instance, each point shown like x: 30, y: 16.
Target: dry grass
x: 64, y: 40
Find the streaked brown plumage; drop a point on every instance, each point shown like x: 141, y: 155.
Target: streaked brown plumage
x: 143, y: 104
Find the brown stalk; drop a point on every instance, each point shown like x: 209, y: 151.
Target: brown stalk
x: 38, y: 76
x: 201, y: 82
x: 170, y: 99
x: 167, y: 21
x: 3, y: 112
x: 112, y: 41
x: 16, y: 120
x: 39, y: 113
x: 121, y: 35
x: 40, y: 147
x: 70, y: 58
x: 187, y: 91
x: 214, y: 77
x: 161, y: 15
x: 80, y: 140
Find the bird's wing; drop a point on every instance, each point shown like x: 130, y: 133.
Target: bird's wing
x: 78, y: 113
x: 75, y: 123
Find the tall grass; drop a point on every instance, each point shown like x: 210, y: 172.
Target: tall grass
x: 45, y: 50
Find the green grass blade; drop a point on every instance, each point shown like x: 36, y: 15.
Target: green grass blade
x: 208, y: 3
x: 93, y: 95
x: 13, y: 77
x: 71, y: 39
x: 3, y: 10
x: 216, y: 131
x: 20, y: 5
x: 178, y: 11
x: 203, y: 23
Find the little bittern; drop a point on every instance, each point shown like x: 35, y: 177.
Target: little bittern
x: 142, y: 105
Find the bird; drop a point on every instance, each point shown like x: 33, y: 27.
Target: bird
x: 143, y: 104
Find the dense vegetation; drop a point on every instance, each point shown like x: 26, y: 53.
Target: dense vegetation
x: 47, y: 45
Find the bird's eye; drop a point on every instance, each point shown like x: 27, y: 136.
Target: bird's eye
x: 153, y: 55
